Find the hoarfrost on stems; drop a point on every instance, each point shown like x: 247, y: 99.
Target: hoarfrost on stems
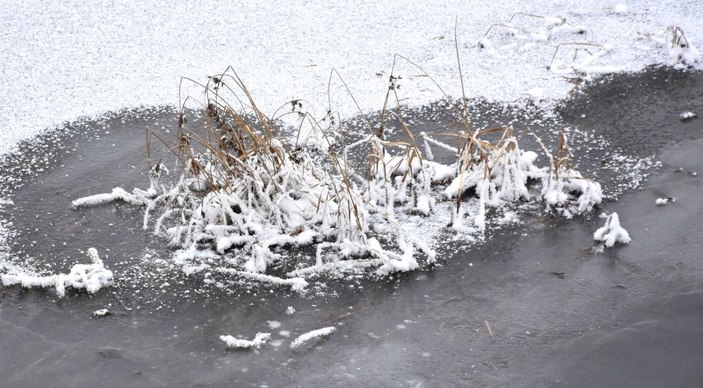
x: 246, y: 194
x: 91, y: 277
x: 612, y: 232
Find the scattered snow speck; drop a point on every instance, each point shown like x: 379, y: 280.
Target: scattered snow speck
x: 284, y: 333
x: 290, y: 310
x: 101, y: 313
x: 274, y: 324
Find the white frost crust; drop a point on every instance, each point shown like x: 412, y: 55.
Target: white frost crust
x: 305, y: 338
x: 612, y: 232
x: 91, y: 277
x: 235, y: 343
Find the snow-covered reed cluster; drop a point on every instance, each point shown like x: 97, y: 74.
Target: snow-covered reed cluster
x: 247, y: 194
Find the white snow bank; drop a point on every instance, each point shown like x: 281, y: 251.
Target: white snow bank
x: 236, y: 343
x: 305, y: 338
x: 91, y: 277
x: 612, y: 232
x: 56, y: 53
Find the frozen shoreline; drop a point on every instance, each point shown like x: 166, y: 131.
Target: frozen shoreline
x: 69, y: 61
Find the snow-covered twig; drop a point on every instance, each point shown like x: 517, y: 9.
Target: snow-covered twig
x: 305, y: 338
x: 91, y: 277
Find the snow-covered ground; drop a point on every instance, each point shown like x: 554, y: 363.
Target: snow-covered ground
x: 64, y: 60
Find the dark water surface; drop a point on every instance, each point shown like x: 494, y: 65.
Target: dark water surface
x: 559, y: 315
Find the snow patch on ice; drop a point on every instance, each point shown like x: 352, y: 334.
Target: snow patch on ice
x: 236, y: 343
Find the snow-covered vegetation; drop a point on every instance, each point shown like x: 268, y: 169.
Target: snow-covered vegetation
x: 244, y: 194
x: 248, y: 195
x: 91, y: 277
x: 612, y: 232
x: 303, y: 339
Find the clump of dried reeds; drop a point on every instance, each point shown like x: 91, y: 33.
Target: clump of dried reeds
x: 246, y: 191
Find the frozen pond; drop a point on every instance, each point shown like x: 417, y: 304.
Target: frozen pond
x: 534, y: 306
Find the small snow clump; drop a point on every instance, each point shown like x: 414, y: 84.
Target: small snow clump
x: 688, y: 115
x: 612, y: 232
x: 235, y: 343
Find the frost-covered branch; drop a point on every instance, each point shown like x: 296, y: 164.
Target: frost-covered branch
x: 305, y: 338
x: 91, y: 277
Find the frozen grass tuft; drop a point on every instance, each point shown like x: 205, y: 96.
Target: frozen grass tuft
x: 612, y: 232
x: 249, y: 195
